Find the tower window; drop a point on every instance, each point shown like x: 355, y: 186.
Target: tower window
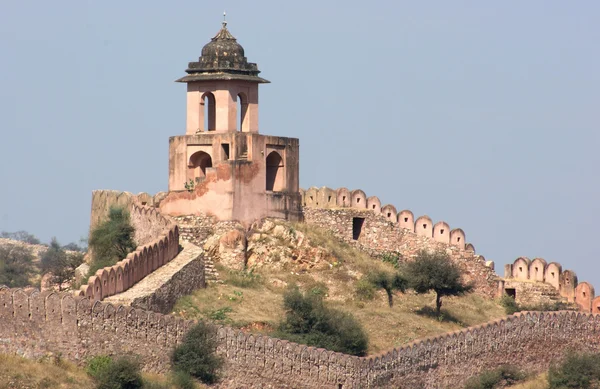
x: 275, y: 176
x: 225, y: 148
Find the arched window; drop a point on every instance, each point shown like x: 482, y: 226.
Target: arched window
x: 199, y: 161
x: 242, y: 112
x: 209, y: 111
x: 275, y: 179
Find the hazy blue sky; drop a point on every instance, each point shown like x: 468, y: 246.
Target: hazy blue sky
x: 483, y: 115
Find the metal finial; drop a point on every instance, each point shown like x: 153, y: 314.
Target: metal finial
x: 224, y: 19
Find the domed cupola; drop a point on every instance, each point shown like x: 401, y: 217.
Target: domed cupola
x: 222, y: 59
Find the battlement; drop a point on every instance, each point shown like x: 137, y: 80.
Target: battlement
x: 157, y: 237
x: 423, y: 226
x: 565, y: 282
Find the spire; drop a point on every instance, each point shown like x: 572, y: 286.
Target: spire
x: 224, y: 19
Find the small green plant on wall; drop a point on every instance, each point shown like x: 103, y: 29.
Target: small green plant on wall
x: 189, y: 186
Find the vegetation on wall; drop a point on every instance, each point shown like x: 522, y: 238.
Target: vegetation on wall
x: 111, y: 240
x: 309, y: 321
x: 435, y: 272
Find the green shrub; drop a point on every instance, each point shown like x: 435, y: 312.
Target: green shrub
x: 182, y: 380
x: 498, y: 378
x: 243, y: 278
x: 122, y: 373
x: 196, y: 354
x: 97, y: 365
x: 576, y: 371
x: 509, y: 304
x: 393, y: 258
x: 365, y: 290
x: 308, y: 321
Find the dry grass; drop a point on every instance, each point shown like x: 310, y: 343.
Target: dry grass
x: 258, y: 307
x: 537, y: 382
x: 56, y: 373
x: 20, y: 373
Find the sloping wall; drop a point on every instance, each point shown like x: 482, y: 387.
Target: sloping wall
x: 156, y: 235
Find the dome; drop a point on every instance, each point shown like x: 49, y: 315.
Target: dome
x: 222, y: 59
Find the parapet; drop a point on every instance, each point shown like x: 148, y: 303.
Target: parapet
x: 325, y: 197
x: 157, y: 237
x: 565, y: 282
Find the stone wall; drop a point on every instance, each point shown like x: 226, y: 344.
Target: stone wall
x: 178, y: 278
x: 378, y: 235
x: 35, y: 324
x: 523, y: 272
x: 327, y: 198
x: 156, y: 235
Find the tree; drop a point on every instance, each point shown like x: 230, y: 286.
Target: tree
x: 388, y: 281
x: 196, y: 354
x: 308, y: 321
x: 111, y: 240
x: 435, y: 272
x: 22, y: 236
x: 16, y: 266
x: 60, y: 264
x: 579, y: 371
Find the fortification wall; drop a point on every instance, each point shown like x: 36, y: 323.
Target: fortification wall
x: 37, y: 323
x: 376, y: 234
x: 523, y: 271
x: 156, y: 235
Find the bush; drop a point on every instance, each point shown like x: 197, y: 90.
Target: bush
x: 196, y: 356
x: 498, y: 378
x: 182, y: 380
x: 393, y: 258
x: 308, y: 321
x: 243, y: 278
x: 365, y: 289
x: 16, y: 266
x: 97, y: 365
x: 576, y: 371
x: 111, y: 240
x: 509, y: 304
x: 122, y: 373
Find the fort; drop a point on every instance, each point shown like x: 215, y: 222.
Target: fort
x: 224, y: 174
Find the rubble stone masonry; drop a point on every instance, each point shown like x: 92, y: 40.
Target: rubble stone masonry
x: 35, y: 324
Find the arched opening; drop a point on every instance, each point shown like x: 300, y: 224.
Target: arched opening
x: 275, y: 179
x: 199, y: 161
x: 242, y: 112
x: 209, y: 111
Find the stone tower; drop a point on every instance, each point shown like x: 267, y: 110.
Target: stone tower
x: 222, y: 165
